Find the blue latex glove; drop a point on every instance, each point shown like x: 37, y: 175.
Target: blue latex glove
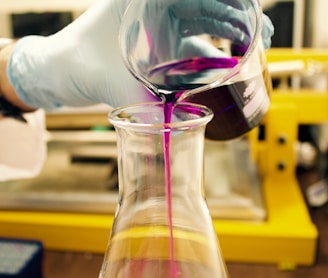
x: 80, y: 65
x: 267, y: 27
x: 169, y: 25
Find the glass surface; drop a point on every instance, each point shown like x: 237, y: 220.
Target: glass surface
x: 162, y: 225
x: 171, y: 47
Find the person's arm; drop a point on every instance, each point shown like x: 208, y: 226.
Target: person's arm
x: 6, y: 89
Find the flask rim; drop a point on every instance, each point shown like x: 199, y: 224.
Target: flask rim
x: 196, y: 115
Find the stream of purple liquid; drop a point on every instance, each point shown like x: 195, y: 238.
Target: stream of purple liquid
x: 168, y: 110
x: 190, y: 65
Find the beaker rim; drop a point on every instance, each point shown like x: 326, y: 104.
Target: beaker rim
x: 141, y: 116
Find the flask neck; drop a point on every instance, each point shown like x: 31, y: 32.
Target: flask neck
x: 142, y: 163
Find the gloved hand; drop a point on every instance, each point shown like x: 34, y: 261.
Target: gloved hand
x: 267, y: 27
x: 79, y: 65
x: 169, y: 25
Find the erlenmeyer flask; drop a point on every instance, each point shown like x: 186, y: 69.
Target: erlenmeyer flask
x: 162, y: 225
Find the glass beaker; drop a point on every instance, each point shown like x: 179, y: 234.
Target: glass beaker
x: 162, y: 226
x: 203, y: 51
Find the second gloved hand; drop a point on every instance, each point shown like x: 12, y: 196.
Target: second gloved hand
x: 163, y: 27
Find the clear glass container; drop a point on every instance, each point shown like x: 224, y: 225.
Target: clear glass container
x: 207, y: 52
x: 162, y: 225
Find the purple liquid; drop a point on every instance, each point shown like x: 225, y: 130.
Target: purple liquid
x: 237, y: 107
x: 172, y: 80
x: 195, y: 65
x: 168, y: 110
